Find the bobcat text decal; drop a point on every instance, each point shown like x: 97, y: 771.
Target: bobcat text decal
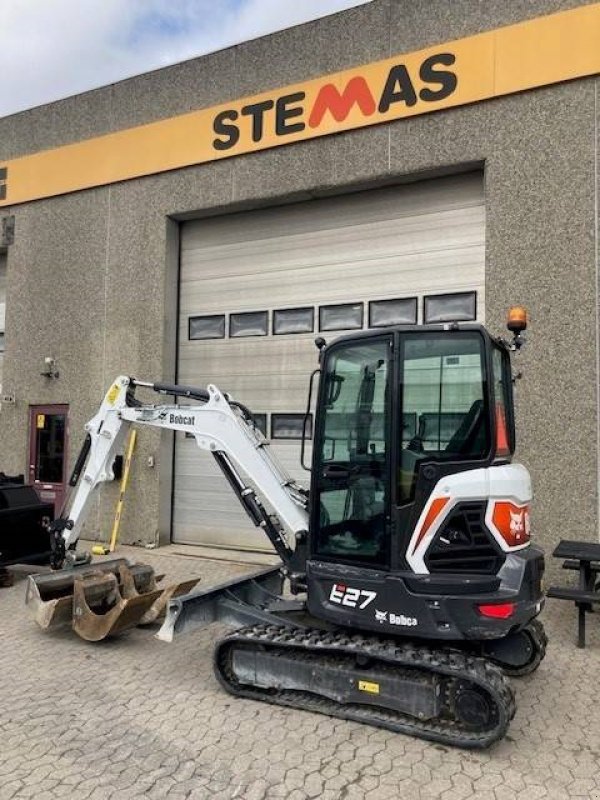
x: 180, y: 419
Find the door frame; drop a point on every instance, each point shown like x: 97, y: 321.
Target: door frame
x: 48, y: 409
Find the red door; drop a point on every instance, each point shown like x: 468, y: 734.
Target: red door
x: 47, y: 453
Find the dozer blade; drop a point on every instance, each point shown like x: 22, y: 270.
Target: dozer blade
x: 158, y: 608
x: 100, y: 600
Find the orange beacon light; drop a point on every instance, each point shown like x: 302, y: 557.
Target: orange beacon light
x: 517, y: 319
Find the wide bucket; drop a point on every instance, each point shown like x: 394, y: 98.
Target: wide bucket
x: 100, y: 600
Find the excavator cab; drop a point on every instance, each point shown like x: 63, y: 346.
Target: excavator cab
x: 395, y: 411
x: 414, y: 499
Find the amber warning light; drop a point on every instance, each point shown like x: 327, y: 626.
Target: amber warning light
x: 516, y: 324
x: 517, y: 319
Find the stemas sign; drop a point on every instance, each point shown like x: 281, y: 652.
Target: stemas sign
x: 432, y: 83
x: 516, y: 58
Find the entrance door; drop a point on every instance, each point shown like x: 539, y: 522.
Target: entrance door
x: 47, y: 451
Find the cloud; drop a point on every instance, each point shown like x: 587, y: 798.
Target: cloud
x: 56, y: 48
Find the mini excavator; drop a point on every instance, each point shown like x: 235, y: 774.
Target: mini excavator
x: 413, y: 586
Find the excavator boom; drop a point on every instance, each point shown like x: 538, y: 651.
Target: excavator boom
x: 105, y: 599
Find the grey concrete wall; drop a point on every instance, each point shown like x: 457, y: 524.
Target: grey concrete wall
x: 91, y: 276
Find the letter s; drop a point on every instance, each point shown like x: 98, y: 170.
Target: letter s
x: 446, y: 80
x: 232, y: 132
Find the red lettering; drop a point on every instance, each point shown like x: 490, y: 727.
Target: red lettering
x: 357, y: 92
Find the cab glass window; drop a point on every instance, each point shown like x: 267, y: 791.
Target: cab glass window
x: 443, y: 389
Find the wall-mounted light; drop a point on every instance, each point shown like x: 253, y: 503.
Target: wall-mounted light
x: 50, y: 370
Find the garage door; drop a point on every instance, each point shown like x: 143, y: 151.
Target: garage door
x: 258, y: 287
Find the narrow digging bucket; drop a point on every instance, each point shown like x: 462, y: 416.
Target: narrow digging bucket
x: 99, y: 600
x: 122, y: 606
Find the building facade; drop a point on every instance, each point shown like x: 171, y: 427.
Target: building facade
x: 204, y: 222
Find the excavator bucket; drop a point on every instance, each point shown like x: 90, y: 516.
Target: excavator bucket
x: 100, y: 600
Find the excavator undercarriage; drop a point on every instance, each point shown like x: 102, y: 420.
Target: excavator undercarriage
x: 455, y: 694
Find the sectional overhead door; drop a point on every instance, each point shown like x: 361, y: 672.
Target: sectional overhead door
x: 258, y: 287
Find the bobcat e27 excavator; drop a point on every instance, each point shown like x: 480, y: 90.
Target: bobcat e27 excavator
x: 414, y: 585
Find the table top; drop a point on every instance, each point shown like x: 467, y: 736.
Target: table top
x: 582, y: 551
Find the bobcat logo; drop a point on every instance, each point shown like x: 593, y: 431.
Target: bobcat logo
x: 517, y: 526
x: 519, y: 523
x: 381, y: 616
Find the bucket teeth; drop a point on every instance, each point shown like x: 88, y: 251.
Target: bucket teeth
x: 100, y: 600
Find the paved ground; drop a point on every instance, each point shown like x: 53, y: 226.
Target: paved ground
x: 137, y: 718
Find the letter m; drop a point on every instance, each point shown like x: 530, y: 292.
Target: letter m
x: 357, y: 92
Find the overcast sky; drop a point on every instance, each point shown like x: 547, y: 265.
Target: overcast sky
x: 56, y: 48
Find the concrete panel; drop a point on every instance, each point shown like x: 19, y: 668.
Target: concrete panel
x: 55, y: 307
x: 175, y: 90
x: 413, y: 25
x: 341, y: 41
x: 141, y: 309
x: 69, y: 120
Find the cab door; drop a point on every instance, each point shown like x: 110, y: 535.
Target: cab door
x: 47, y: 452
x: 351, y: 466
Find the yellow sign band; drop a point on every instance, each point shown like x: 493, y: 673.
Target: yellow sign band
x: 535, y: 53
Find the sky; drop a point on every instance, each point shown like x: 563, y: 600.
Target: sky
x: 56, y: 48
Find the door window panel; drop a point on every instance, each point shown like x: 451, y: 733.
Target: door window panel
x: 353, y: 471
x: 449, y: 307
x: 293, y: 320
x: 211, y: 327
x: 50, y: 444
x: 393, y: 312
x: 251, y: 323
x: 341, y: 318
x: 443, y: 386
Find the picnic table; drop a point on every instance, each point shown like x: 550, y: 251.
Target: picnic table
x: 584, y: 557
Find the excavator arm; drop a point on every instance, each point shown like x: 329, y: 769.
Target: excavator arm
x: 108, y: 597
x: 219, y: 425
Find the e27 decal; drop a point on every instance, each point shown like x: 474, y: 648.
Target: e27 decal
x: 353, y: 598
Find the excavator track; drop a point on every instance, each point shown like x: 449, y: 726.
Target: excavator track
x: 440, y: 694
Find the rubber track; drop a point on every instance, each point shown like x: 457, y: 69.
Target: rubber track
x: 456, y: 665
